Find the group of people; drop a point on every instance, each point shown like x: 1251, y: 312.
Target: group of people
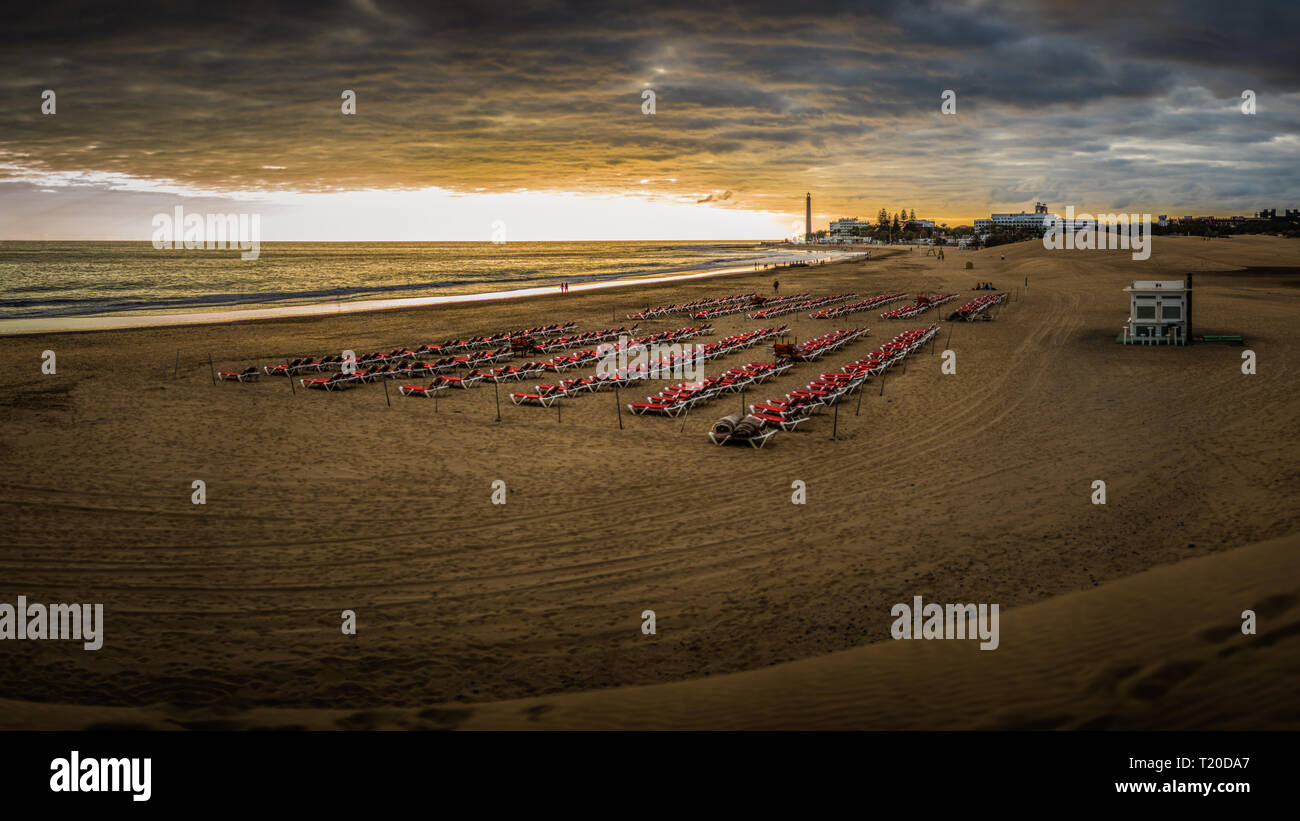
x: 564, y: 287
x: 984, y: 286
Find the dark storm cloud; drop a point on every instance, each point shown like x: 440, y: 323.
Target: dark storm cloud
x: 759, y: 99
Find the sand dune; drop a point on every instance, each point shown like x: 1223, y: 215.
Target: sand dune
x: 973, y: 487
x: 1160, y: 650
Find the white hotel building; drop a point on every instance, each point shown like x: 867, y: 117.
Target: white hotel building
x: 1039, y: 220
x: 843, y: 227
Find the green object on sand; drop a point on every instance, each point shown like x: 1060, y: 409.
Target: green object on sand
x: 1224, y: 338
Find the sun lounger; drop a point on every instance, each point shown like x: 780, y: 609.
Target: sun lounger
x: 247, y: 375
x: 335, y: 382
x: 783, y: 422
x: 466, y: 382
x: 543, y: 399
x: 423, y: 390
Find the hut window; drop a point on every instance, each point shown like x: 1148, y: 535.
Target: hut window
x: 1171, y: 312
x: 1146, y: 312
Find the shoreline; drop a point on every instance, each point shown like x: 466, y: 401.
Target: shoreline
x: 81, y: 324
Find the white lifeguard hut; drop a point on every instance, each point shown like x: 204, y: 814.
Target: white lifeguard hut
x: 1160, y: 312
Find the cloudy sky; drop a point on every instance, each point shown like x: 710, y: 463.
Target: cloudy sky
x: 530, y: 113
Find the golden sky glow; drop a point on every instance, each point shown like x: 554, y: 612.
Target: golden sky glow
x: 532, y: 115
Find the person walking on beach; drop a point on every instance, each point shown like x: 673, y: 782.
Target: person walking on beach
x: 776, y: 286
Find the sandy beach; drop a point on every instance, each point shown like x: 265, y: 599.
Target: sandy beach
x: 972, y: 487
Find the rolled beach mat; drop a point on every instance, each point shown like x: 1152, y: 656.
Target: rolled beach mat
x: 726, y: 424
x: 749, y: 426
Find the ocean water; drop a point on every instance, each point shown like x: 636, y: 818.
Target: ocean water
x: 75, y: 279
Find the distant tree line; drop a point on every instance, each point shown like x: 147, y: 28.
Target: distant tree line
x: 1221, y: 228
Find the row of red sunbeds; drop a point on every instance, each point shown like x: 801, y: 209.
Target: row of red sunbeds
x: 588, y: 355
x: 766, y: 419
x: 978, y: 305
x: 894, y: 351
x: 546, y: 395
x: 343, y: 381
x: 457, y: 345
x: 802, y: 305
x: 677, y: 399
x: 857, y: 307
x: 691, y: 307
x: 372, y: 368
x: 337, y: 362
x: 560, y: 343
x: 473, y: 363
x: 758, y: 302
x: 442, y: 383
x: 919, y: 307
x: 553, y: 365
x: 819, y: 346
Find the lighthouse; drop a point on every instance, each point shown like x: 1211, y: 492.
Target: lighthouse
x: 807, y: 217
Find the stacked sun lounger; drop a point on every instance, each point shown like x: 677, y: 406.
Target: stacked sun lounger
x: 802, y: 305
x: 857, y: 307
x: 977, y: 306
x: 693, y: 307
x: 919, y: 307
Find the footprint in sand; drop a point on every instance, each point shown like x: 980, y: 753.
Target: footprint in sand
x: 1274, y: 606
x: 535, y: 712
x: 1159, y: 681
x: 446, y: 719
x: 1108, y: 680
x: 1269, y: 609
